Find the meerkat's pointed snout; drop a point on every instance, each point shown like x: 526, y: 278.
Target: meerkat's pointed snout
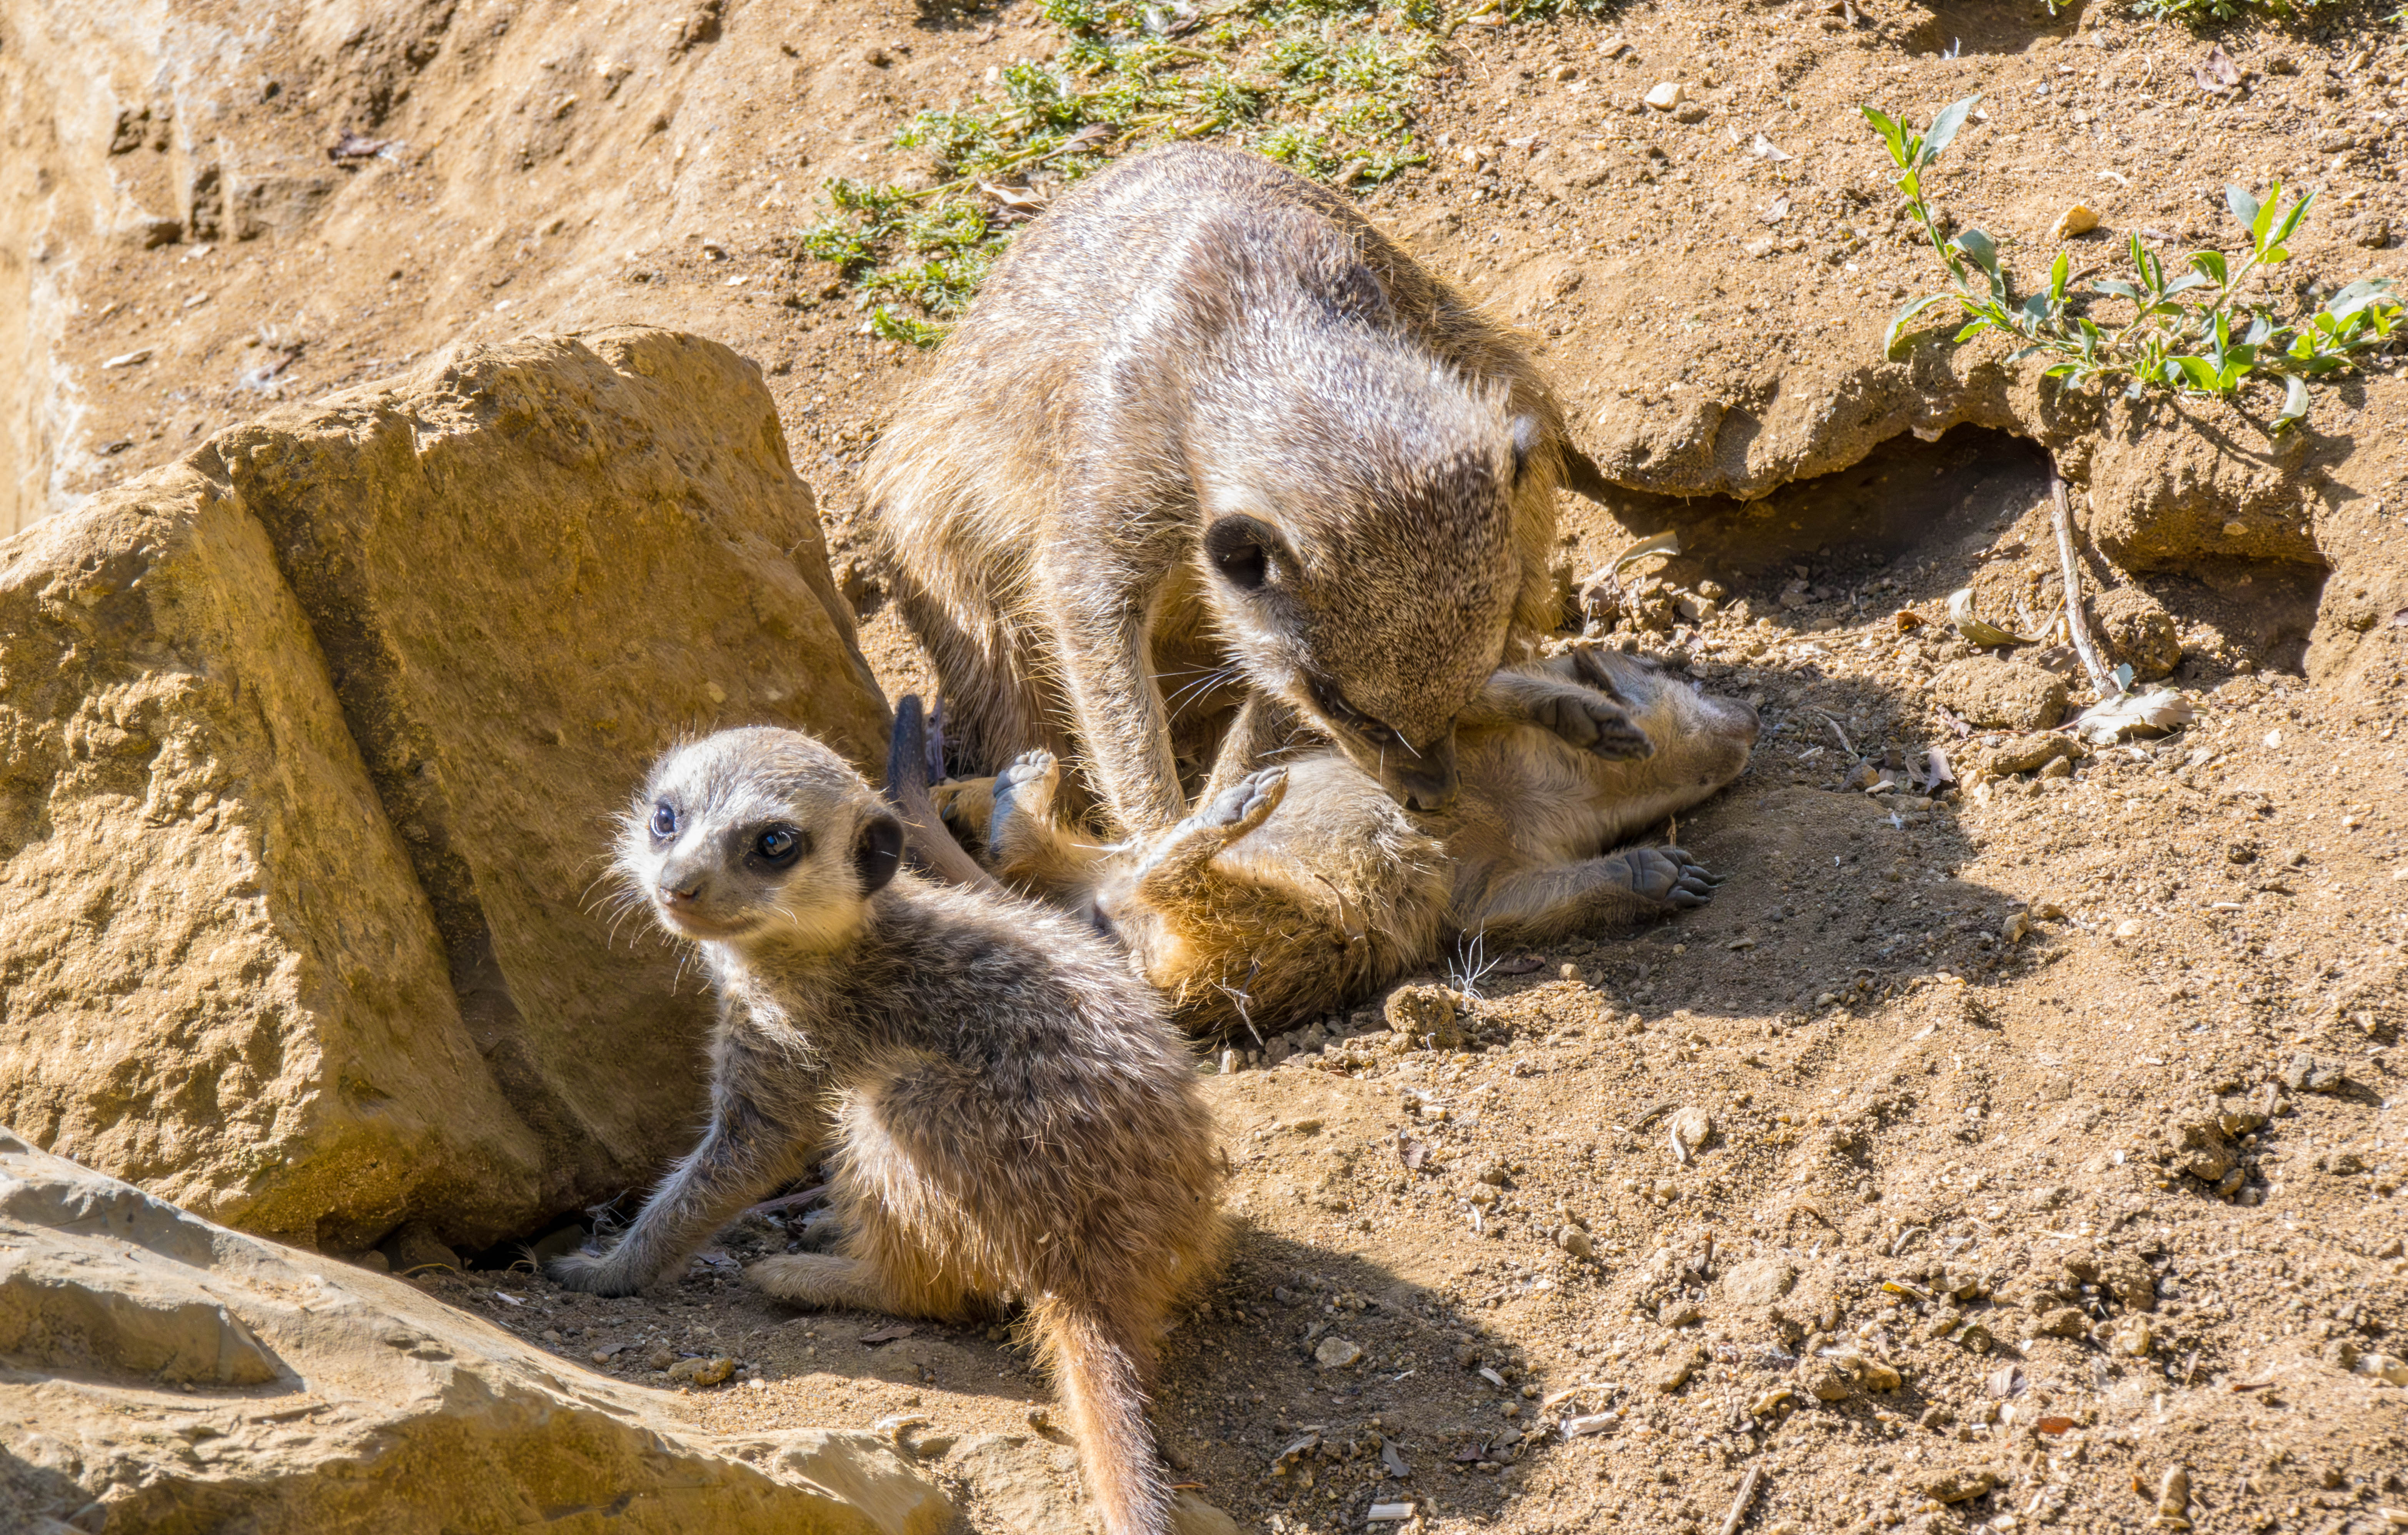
x: 1430, y: 782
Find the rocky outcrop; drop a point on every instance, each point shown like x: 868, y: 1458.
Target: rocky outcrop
x: 162, y: 1375
x: 309, y: 749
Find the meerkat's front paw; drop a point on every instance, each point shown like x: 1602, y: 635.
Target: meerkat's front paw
x: 1243, y: 805
x: 1595, y: 723
x: 1670, y: 876
x: 592, y: 1273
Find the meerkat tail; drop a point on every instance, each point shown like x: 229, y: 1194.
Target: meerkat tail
x: 1582, y: 475
x: 1099, y: 1374
x: 907, y: 790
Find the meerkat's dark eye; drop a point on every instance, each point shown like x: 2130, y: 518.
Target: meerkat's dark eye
x: 1240, y: 549
x: 664, y: 820
x: 779, y: 844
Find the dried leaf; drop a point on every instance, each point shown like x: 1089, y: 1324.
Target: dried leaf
x: 1663, y: 543
x: 1013, y: 203
x: 1764, y: 149
x: 1289, y: 1457
x: 2006, y: 1381
x: 1411, y: 1152
x: 1939, y: 771
x: 2055, y: 1426
x: 1393, y: 1460
x: 1089, y: 138
x: 1972, y: 626
x: 887, y: 1334
x: 1776, y: 210
x: 1907, y: 620
x: 2156, y: 710
x: 2217, y: 73
x: 1518, y: 965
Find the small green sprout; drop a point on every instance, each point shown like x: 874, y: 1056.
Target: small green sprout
x: 2190, y: 331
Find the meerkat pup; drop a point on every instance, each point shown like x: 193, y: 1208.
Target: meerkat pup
x: 1302, y: 888
x: 1209, y: 459
x: 1010, y: 1114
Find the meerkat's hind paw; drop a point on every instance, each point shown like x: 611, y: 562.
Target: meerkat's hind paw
x: 1025, y: 788
x: 590, y: 1273
x: 1671, y: 876
x: 1595, y: 725
x: 1694, y: 885
x: 820, y: 1280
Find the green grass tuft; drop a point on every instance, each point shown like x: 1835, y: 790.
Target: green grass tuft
x: 1312, y: 83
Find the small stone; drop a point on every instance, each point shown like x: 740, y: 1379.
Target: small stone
x: 1690, y: 1127
x: 2342, y: 1353
x: 602, y: 1355
x: 414, y: 1248
x: 2001, y: 695
x: 2016, y: 927
x: 1678, y: 1314
x: 2384, y: 1367
x: 2128, y: 927
x: 2372, y: 231
x: 1666, y: 94
x: 1338, y: 1353
x: 1975, y: 1338
x: 1424, y: 1014
x: 1759, y: 1281
x: 2136, y: 629
x: 659, y: 1358
x: 1572, y: 1240
x: 703, y: 1370
x: 1956, y: 1483
x: 1822, y: 1380
x: 2236, y: 530
x: 1689, y: 111
x: 2081, y: 219
x: 2199, y: 1148
x: 2173, y: 1492
x: 2064, y: 1322
x: 2136, y: 1340
x: 2308, y: 1073
x: 1678, y: 1366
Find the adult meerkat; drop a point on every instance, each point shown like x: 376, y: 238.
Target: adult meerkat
x: 1208, y: 439
x: 1010, y: 1114
x: 1303, y: 888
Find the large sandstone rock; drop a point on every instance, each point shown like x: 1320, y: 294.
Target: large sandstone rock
x: 166, y: 1375
x: 309, y: 748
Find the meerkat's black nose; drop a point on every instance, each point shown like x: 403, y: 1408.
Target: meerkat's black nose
x: 674, y: 894
x: 1430, y: 789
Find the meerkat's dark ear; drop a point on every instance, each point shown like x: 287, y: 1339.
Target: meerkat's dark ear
x: 878, y: 852
x: 1243, y: 550
x: 1527, y: 436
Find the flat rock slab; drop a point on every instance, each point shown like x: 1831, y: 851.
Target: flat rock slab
x: 298, y: 1396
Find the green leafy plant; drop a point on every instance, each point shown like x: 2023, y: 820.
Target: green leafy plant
x: 2218, y: 11
x: 2192, y: 330
x: 1308, y: 82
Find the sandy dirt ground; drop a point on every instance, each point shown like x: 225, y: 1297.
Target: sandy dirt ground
x: 2051, y: 1129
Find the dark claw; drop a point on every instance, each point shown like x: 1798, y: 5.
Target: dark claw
x: 1595, y: 726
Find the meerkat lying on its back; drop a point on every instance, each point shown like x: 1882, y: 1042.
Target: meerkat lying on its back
x: 1303, y: 888
x: 1012, y: 1115
x: 1210, y: 456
